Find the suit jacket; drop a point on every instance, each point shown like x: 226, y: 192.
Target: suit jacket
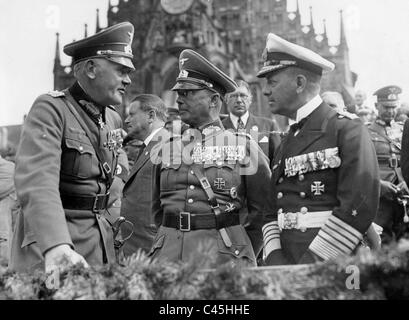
x: 56, y: 157
x: 330, y: 165
x: 267, y: 129
x: 136, y: 202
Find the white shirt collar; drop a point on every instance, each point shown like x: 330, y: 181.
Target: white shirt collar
x: 234, y: 119
x: 308, y: 108
x: 150, y: 137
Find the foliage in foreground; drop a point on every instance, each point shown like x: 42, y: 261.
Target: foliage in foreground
x: 382, y: 275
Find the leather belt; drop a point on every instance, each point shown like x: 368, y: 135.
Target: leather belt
x: 93, y: 203
x: 186, y: 221
x: 302, y: 220
x: 389, y: 162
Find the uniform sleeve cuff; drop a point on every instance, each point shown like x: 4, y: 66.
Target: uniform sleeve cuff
x: 271, y: 237
x: 335, y: 238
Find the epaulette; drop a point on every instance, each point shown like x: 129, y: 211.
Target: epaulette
x: 346, y: 114
x: 56, y: 94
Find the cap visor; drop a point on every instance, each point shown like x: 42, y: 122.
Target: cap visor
x: 127, y: 62
x: 183, y: 85
x: 267, y: 69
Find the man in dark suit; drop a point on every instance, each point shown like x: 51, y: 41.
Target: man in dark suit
x: 147, y: 116
x: 263, y: 130
x: 325, y: 174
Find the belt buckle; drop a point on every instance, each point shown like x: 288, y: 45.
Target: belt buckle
x: 184, y: 221
x: 100, y: 204
x: 393, y: 162
x: 290, y: 220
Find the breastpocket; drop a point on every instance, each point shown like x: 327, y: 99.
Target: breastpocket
x: 221, y: 177
x: 77, y: 157
x: 169, y: 176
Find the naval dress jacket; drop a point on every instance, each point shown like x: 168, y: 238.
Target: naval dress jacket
x: 330, y: 165
x: 55, y: 157
x: 176, y: 189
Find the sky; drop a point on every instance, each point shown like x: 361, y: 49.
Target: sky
x: 376, y: 32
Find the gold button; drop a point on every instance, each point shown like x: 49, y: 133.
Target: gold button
x: 280, y: 180
x: 302, y: 195
x: 279, y: 195
x: 192, y: 187
x: 304, y: 210
x: 190, y: 201
x: 237, y: 252
x: 191, y: 172
x: 280, y: 211
x: 301, y: 177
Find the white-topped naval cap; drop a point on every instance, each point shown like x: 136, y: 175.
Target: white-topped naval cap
x: 280, y: 54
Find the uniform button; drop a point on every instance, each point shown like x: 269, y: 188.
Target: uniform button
x: 81, y: 148
x: 280, y: 180
x: 279, y: 195
x: 168, y: 164
x: 301, y: 177
x: 302, y: 195
x: 237, y: 252
x: 191, y: 172
x: 190, y: 201
x: 192, y: 187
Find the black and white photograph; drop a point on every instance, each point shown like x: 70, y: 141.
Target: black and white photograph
x: 204, y: 155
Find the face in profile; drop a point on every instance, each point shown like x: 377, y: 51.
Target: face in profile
x: 239, y: 101
x: 111, y: 81
x: 137, y: 122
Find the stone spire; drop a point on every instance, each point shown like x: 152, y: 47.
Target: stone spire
x: 342, y: 38
x: 311, y: 21
x: 85, y: 30
x: 98, y: 27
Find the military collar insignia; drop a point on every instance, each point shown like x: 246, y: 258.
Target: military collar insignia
x: 56, y: 94
x: 380, y: 122
x: 346, y: 114
x: 313, y: 161
x: 183, y: 60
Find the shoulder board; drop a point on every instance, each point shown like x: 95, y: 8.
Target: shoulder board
x: 346, y: 114
x: 112, y: 108
x: 56, y: 94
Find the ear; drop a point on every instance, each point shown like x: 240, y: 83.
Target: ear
x: 301, y: 83
x: 214, y: 100
x: 90, y: 69
x: 151, y: 114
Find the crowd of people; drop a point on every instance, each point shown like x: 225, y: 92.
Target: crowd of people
x: 237, y: 187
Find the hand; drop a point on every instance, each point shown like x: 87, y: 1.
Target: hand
x: 276, y: 258
x: 62, y: 256
x: 403, y: 187
x: 309, y: 257
x: 388, y: 190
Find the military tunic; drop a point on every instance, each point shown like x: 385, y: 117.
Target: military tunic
x: 56, y: 159
x: 327, y: 172
x: 236, y: 169
x: 387, y: 142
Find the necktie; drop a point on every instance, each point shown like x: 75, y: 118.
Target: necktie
x: 141, y: 150
x: 240, y: 124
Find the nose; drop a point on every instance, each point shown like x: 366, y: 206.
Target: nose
x: 266, y: 91
x: 127, y: 80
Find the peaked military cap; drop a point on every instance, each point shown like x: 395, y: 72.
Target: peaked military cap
x: 113, y: 43
x: 196, y: 72
x: 280, y: 54
x: 388, y: 95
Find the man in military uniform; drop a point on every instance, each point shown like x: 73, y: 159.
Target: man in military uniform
x: 68, y: 156
x: 325, y: 174
x: 386, y: 135
x: 205, y: 174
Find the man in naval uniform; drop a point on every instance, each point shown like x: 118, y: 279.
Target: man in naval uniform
x: 68, y: 156
x: 386, y: 135
x: 325, y: 175
x: 204, y: 176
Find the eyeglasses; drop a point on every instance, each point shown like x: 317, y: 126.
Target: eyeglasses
x: 242, y: 96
